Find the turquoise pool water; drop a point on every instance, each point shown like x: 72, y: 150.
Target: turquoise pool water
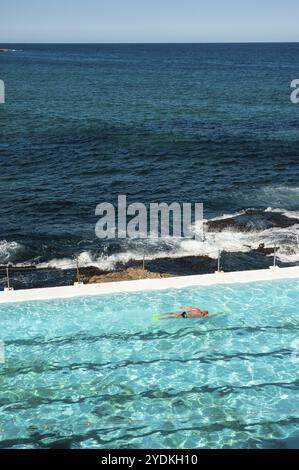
x: 98, y: 372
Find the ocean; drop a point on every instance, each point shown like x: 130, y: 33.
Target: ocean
x: 210, y: 123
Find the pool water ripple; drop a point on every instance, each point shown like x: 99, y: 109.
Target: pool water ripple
x: 99, y: 372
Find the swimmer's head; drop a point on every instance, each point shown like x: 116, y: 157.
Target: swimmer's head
x: 205, y: 313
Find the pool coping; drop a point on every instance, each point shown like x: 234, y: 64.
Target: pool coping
x: 81, y: 290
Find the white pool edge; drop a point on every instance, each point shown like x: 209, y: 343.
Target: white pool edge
x: 65, y: 292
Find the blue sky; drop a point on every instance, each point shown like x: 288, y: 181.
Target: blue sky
x: 148, y: 20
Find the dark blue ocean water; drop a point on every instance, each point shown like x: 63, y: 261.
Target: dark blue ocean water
x: 181, y: 122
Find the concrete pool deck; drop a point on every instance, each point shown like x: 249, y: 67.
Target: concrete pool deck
x: 148, y: 284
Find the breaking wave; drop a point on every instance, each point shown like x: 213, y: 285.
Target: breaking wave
x: 269, y: 227
x: 9, y: 251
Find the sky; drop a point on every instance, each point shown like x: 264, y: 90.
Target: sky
x: 148, y: 21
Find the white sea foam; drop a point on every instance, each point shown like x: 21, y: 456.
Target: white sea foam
x: 285, y: 189
x: 290, y: 189
x: 229, y: 240
x: 8, y: 250
x: 288, y: 213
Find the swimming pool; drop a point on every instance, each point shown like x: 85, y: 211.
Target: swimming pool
x: 98, y: 372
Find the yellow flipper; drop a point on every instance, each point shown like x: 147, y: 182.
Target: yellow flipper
x: 156, y: 317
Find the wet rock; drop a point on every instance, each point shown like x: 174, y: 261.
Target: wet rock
x: 265, y: 251
x: 129, y: 274
x: 251, y: 220
x: 90, y: 271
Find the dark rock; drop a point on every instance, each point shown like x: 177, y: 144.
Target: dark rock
x: 251, y: 220
x: 265, y: 251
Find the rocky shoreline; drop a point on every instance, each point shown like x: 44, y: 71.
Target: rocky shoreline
x: 251, y: 219
x: 157, y: 269
x: 94, y: 275
x: 132, y: 270
x: 23, y: 277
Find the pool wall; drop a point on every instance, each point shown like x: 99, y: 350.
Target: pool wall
x: 79, y: 290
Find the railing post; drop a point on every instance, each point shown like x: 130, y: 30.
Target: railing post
x: 274, y: 258
x: 8, y: 288
x: 78, y: 283
x: 219, y: 260
x: 7, y: 278
x: 78, y: 272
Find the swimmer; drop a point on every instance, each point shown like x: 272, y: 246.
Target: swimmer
x: 187, y: 312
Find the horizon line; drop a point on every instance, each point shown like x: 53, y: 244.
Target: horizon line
x: 156, y: 42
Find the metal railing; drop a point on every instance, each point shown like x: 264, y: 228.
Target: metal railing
x: 8, y: 288
x: 219, y: 270
x: 274, y: 256
x: 78, y: 279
